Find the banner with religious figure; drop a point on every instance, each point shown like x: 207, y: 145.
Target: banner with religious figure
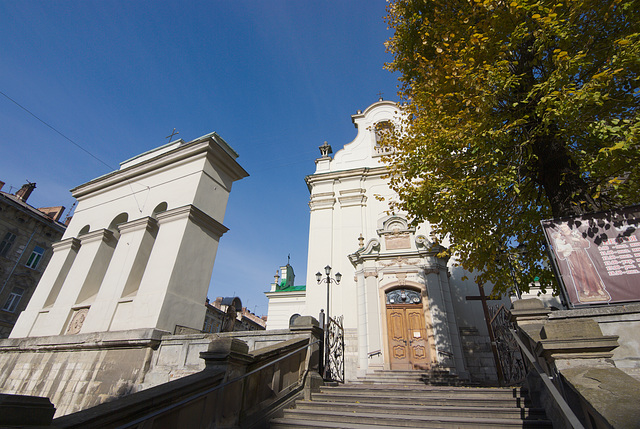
x: 597, y: 256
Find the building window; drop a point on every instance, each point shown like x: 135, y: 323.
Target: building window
x: 6, y: 244
x: 381, y: 129
x: 35, y: 257
x: 13, y: 300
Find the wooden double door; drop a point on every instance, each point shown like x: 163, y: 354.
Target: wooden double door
x: 409, y: 346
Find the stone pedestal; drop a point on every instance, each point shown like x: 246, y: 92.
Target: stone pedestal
x: 577, y: 356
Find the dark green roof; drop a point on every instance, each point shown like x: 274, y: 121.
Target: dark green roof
x: 293, y: 288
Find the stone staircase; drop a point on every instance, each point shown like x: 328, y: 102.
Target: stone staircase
x: 393, y: 399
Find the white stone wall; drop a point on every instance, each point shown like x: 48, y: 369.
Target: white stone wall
x: 283, y: 305
x: 127, y: 258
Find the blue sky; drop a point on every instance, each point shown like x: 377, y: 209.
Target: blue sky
x: 274, y: 78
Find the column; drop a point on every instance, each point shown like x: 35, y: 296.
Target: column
x: 363, y: 364
x: 64, y: 253
x: 320, y: 248
x: 439, y: 317
x: 113, y: 304
x: 171, y: 291
x: 452, y: 325
x: 82, y: 283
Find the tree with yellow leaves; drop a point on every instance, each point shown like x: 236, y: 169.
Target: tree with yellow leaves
x: 517, y: 111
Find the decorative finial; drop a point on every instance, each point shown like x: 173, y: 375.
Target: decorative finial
x: 361, y: 241
x: 276, y: 278
x: 380, y: 96
x: 325, y: 150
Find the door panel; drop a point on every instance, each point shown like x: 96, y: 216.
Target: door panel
x: 417, y: 338
x: 408, y: 345
x: 398, y: 339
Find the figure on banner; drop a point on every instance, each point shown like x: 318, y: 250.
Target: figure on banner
x: 572, y: 247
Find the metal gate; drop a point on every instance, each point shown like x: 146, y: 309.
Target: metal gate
x: 334, y: 369
x: 510, y: 365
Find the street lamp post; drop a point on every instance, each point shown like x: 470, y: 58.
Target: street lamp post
x: 328, y: 280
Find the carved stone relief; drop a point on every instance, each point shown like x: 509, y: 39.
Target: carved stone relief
x: 398, y: 241
x: 77, y: 320
x: 399, y: 261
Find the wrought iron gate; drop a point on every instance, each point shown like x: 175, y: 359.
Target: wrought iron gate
x: 510, y: 366
x: 334, y: 362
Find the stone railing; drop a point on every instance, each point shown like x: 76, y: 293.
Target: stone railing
x: 236, y: 388
x: 576, y: 356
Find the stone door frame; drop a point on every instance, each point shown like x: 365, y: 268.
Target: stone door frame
x: 427, y: 319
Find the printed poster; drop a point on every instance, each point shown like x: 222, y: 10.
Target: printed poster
x: 597, y: 256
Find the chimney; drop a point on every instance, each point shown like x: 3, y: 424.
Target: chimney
x: 1, y: 185
x: 26, y: 190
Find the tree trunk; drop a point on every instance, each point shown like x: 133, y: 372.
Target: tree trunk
x: 559, y: 176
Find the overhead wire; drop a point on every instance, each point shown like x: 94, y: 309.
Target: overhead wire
x: 54, y: 129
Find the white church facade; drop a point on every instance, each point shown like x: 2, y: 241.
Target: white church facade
x: 403, y: 306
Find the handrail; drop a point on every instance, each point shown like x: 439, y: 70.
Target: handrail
x: 206, y: 392
x: 555, y: 394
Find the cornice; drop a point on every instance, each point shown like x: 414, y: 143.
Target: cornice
x: 98, y: 235
x: 196, y: 215
x: 352, y: 200
x: 32, y: 212
x: 147, y: 223
x: 341, y: 174
x: 209, y: 148
x: 68, y: 243
x: 288, y: 294
x: 324, y: 200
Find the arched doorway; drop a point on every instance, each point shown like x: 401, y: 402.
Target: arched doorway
x: 409, y: 346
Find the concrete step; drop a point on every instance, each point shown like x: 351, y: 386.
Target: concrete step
x: 431, y: 410
x: 439, y: 378
x: 424, y: 390
x: 454, y: 381
x: 411, y: 399
x: 322, y: 419
x: 395, y: 399
x: 410, y: 371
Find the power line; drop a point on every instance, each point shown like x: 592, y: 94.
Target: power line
x: 76, y: 144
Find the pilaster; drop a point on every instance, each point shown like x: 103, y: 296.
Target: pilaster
x: 123, y: 277
x: 171, y: 291
x: 46, y: 293
x: 81, y: 285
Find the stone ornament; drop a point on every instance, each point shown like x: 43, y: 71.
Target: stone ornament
x: 77, y: 321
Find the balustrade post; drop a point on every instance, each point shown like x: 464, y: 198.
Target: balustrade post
x: 231, y: 356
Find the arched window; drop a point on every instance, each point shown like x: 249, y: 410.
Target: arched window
x: 121, y: 218
x: 381, y: 129
x: 293, y: 318
x: 403, y: 296
x: 162, y: 207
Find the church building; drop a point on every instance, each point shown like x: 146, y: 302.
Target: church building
x: 403, y: 307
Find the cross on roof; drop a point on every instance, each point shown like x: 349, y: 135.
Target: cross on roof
x: 380, y: 95
x: 173, y: 133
